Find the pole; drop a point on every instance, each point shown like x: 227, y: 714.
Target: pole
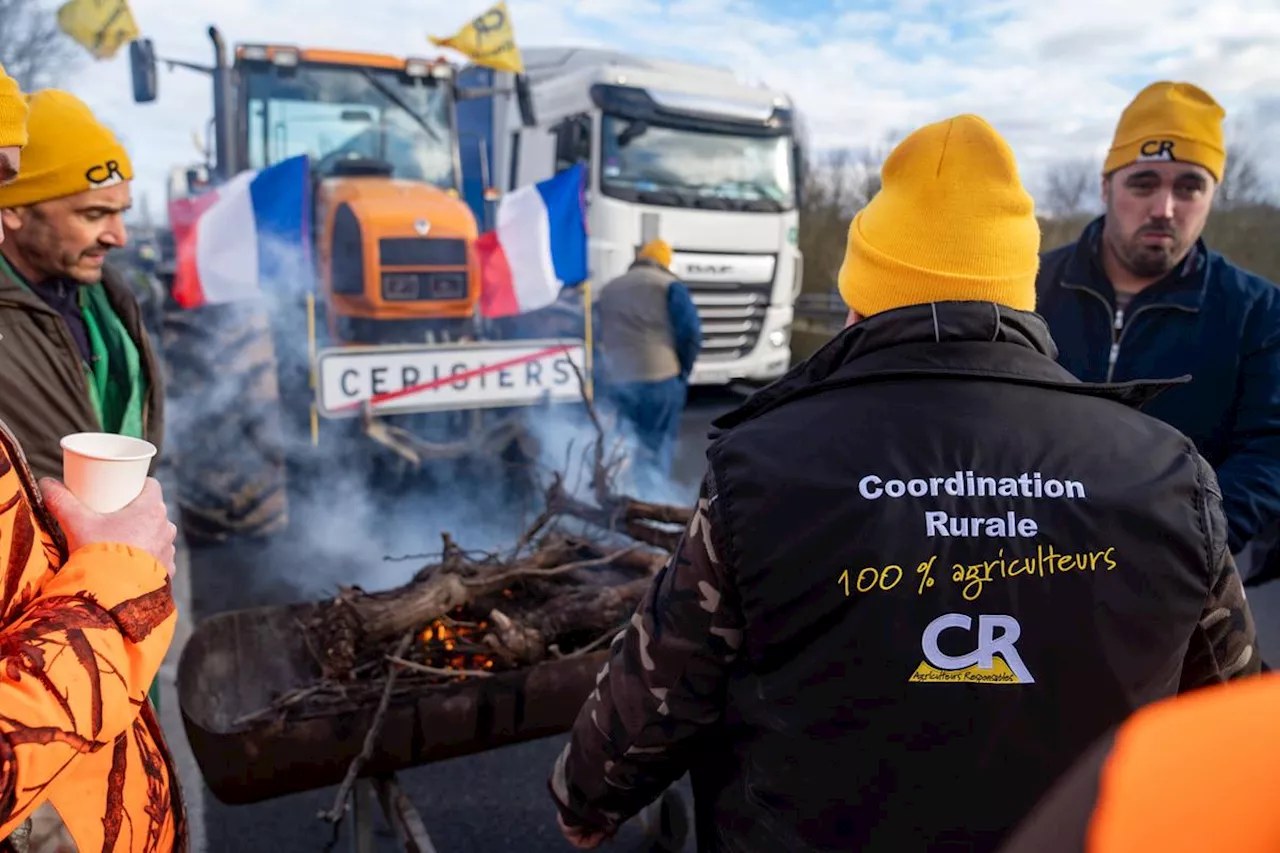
x: 587, y: 339
x: 311, y: 367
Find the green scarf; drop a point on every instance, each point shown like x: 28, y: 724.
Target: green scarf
x: 117, y: 386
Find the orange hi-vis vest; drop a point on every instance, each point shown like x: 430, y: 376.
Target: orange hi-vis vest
x: 1191, y: 774
x: 82, y: 636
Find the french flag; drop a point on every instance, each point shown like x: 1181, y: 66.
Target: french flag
x: 238, y: 240
x: 538, y: 246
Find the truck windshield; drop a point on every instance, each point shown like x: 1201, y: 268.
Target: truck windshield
x: 333, y: 113
x: 660, y: 165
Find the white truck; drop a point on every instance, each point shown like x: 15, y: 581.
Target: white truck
x: 684, y: 152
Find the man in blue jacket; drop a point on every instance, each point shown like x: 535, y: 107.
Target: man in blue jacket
x: 1140, y: 296
x: 649, y: 337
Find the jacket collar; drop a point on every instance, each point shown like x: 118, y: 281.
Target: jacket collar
x: 980, y: 340
x: 1183, y: 287
x: 652, y: 266
x: 16, y: 290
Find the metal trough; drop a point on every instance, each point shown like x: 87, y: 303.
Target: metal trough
x: 235, y: 663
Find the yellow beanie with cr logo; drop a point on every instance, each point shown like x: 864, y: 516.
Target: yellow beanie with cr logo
x: 69, y: 151
x: 1176, y: 122
x: 952, y: 222
x: 13, y: 113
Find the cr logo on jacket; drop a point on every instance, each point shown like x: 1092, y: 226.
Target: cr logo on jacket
x: 980, y: 666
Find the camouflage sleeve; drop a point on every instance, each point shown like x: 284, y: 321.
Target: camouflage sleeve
x: 1224, y: 644
x: 663, y: 683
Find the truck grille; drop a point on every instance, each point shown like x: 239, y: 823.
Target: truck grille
x: 732, y: 316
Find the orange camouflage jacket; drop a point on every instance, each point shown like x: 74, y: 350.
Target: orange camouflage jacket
x: 80, y: 641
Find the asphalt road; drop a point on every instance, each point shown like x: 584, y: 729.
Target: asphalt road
x: 491, y: 802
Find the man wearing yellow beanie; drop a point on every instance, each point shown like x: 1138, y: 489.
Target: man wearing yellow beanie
x: 927, y: 568
x: 649, y: 336
x: 75, y: 356
x: 1141, y: 296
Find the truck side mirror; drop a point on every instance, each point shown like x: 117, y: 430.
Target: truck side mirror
x: 524, y: 97
x: 566, y: 144
x: 142, y: 67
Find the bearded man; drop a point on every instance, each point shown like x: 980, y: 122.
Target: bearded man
x: 1140, y: 296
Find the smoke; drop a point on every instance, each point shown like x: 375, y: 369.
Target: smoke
x: 567, y: 439
x: 354, y: 508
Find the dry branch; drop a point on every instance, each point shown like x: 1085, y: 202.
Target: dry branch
x: 335, y: 814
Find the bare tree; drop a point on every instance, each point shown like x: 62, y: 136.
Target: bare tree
x: 1070, y: 188
x: 836, y: 185
x: 34, y: 51
x: 1242, y: 185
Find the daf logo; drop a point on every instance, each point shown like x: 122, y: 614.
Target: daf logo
x: 709, y: 269
x: 422, y: 226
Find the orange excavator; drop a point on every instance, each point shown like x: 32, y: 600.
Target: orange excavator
x: 381, y: 359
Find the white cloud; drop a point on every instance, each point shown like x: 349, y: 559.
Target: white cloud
x: 1053, y: 77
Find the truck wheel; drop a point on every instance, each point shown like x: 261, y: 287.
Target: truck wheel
x: 224, y: 419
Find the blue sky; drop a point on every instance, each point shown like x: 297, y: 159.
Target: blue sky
x: 1051, y: 76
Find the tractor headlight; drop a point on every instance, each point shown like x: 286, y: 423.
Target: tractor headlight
x: 418, y: 286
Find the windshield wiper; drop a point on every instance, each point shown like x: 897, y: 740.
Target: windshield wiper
x: 766, y: 198
x: 394, y: 98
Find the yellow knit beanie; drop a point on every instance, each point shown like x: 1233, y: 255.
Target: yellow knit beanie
x: 69, y: 152
x: 951, y: 222
x: 656, y: 250
x: 1170, y: 121
x: 13, y: 113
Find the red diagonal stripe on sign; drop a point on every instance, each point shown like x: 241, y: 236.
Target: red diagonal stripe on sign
x: 436, y: 383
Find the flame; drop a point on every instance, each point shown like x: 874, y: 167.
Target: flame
x: 443, y: 638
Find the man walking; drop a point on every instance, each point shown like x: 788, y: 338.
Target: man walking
x: 74, y: 356
x: 649, y: 339
x: 928, y: 566
x: 1140, y: 296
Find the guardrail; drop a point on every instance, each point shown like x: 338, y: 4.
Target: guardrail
x: 822, y: 313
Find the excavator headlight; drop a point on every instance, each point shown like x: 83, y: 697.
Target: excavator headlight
x: 285, y: 57
x: 417, y: 68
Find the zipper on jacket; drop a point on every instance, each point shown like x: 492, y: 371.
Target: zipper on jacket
x: 1117, y: 332
x: 1118, y: 325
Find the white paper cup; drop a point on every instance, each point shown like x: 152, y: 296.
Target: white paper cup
x: 106, y: 472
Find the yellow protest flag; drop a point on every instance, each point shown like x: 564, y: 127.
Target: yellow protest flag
x: 488, y: 40
x: 101, y: 27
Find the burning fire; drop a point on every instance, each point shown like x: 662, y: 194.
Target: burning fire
x: 453, y: 644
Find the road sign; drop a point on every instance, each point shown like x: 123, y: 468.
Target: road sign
x: 446, y: 377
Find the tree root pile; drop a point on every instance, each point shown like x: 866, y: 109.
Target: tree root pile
x: 556, y: 593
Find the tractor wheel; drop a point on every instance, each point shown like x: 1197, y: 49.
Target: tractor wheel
x: 225, y: 422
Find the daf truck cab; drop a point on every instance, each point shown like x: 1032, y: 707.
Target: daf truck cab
x: 683, y: 152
